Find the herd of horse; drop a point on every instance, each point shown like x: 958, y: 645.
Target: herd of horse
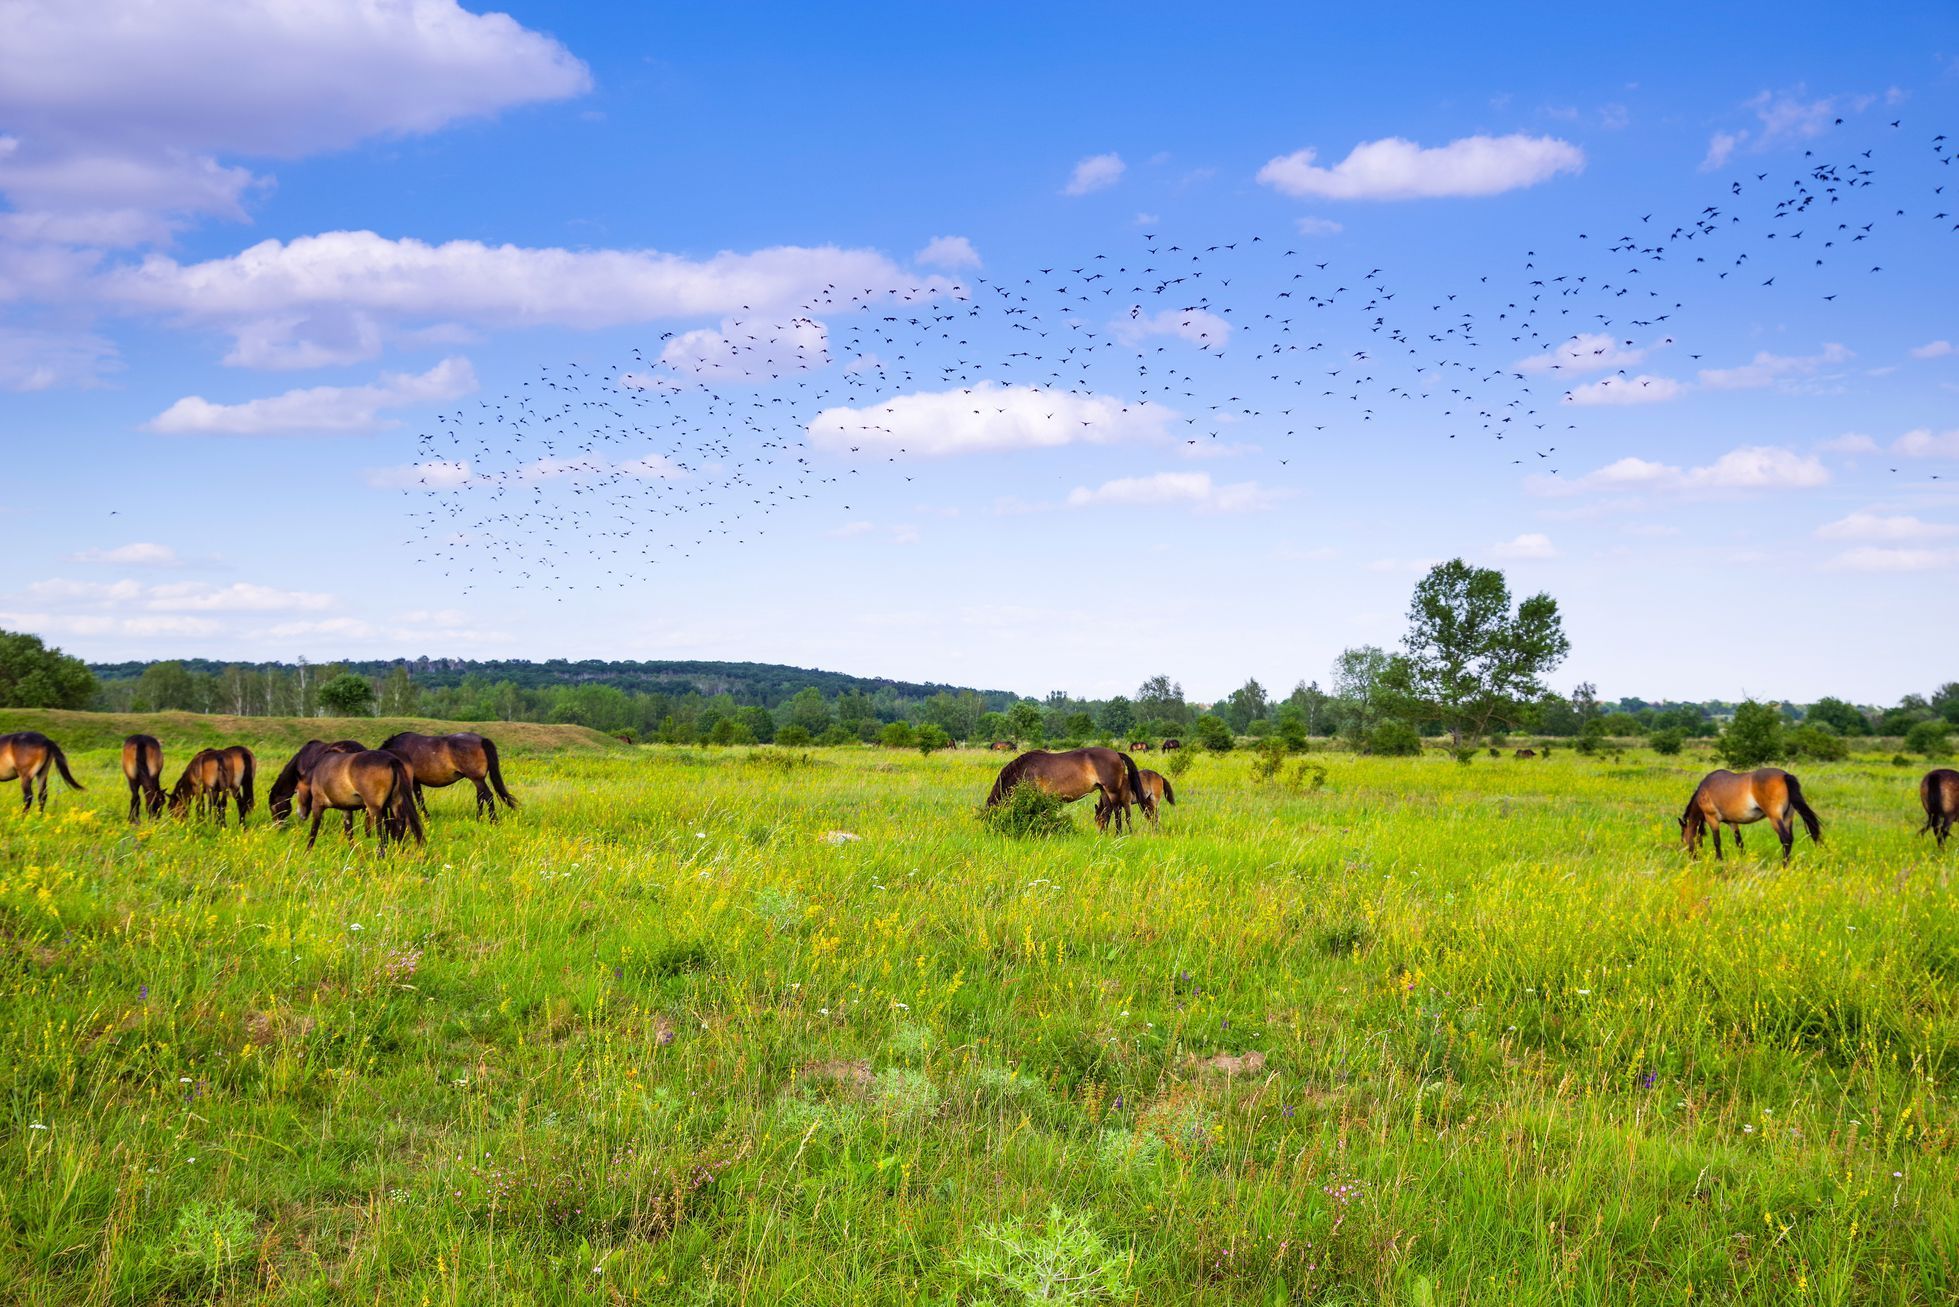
x: 384, y: 784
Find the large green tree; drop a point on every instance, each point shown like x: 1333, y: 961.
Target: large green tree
x: 35, y: 676
x: 1473, y: 659
x: 1362, y: 689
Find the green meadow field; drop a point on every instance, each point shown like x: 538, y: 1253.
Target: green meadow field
x: 745, y: 1025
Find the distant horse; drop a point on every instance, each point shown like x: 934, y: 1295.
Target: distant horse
x: 1939, y: 792
x: 206, y: 785
x: 439, y: 760
x: 1139, y: 746
x: 1173, y: 744
x: 1156, y: 791
x: 371, y: 781
x: 1069, y: 776
x: 1000, y: 746
x: 1526, y: 753
x: 278, y: 800
x: 238, y: 760
x: 29, y: 755
x: 142, y: 767
x: 1767, y: 792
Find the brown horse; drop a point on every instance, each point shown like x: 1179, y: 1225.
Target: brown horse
x: 1766, y: 792
x: 1526, y: 753
x: 1173, y: 744
x: 30, y: 755
x: 206, y: 785
x: 438, y: 760
x: 1156, y: 790
x: 278, y: 799
x: 238, y: 760
x: 1139, y: 746
x: 1000, y: 746
x: 1110, y: 775
x: 371, y: 781
x: 1939, y: 792
x: 142, y: 767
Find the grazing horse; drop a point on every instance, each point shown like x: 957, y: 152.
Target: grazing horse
x: 1939, y: 792
x: 1069, y: 776
x: 278, y: 800
x: 1156, y: 790
x: 30, y: 755
x: 1767, y: 792
x: 1000, y: 746
x: 142, y: 767
x: 371, y: 781
x: 206, y: 785
x: 1526, y: 753
x: 438, y: 760
x: 1139, y: 746
x: 1173, y: 744
x: 238, y: 760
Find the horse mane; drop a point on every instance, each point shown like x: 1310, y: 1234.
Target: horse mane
x: 1010, y: 776
x: 1694, y: 821
x: 389, y: 743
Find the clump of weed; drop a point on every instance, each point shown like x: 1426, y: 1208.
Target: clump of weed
x: 1309, y: 777
x: 906, y: 1094
x: 779, y: 760
x: 1178, y: 761
x: 1127, y: 1152
x: 1028, y: 812
x: 1063, y: 1259
x: 781, y: 910
x: 209, y: 1239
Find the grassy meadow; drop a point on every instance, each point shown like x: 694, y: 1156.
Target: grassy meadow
x: 740, y: 1025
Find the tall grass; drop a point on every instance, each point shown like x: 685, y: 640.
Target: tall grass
x: 1404, y: 1031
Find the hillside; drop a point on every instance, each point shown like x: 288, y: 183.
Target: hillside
x: 185, y: 732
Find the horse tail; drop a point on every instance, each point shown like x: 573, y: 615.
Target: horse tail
x: 403, y: 800
x: 1169, y: 795
x: 1135, y: 776
x: 496, y: 772
x: 61, y: 765
x: 1803, y: 810
x: 245, y: 794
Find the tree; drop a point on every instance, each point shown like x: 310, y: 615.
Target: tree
x: 1118, y: 716
x: 1815, y: 740
x: 1311, y: 702
x: 1929, y: 737
x: 794, y: 736
x: 807, y: 709
x: 1292, y: 731
x: 1843, y: 718
x: 898, y: 735
x: 35, y: 676
x: 1162, y: 699
x: 1359, y: 685
x: 1079, y: 725
x: 1667, y: 741
x: 1212, y: 732
x: 931, y: 738
x: 1473, y: 662
x: 1024, y: 722
x: 1394, y: 739
x: 170, y: 687
x: 1584, y: 702
x: 1753, y: 737
x: 348, y: 695
x: 1245, y: 705
x: 993, y: 726
x: 1945, y: 701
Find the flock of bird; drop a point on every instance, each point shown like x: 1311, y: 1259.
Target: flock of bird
x: 589, y: 477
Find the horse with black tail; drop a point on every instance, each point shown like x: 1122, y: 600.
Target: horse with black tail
x: 1725, y: 798
x: 1157, y: 791
x: 1110, y: 775
x: 238, y: 760
x: 278, y: 799
x: 142, y: 767
x: 1939, y: 793
x: 30, y: 755
x: 377, y: 783
x: 439, y: 760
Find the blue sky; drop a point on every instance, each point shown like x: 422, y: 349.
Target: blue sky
x: 250, y: 256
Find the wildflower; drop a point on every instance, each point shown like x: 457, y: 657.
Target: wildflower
x: 37, y: 1126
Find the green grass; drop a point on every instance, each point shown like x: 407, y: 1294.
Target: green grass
x: 1427, y: 1034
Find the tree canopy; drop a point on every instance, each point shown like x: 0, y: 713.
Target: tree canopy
x: 1472, y: 660
x: 34, y: 676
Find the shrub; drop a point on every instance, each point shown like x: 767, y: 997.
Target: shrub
x: 1753, y: 737
x: 930, y: 739
x: 1394, y: 739
x: 1815, y: 740
x: 1213, y: 733
x: 837, y: 735
x: 898, y: 735
x: 1177, y: 762
x: 1668, y: 741
x: 1592, y: 737
x: 1929, y: 738
x: 1028, y: 812
x: 1271, y: 752
x: 1065, y: 1261
x: 793, y: 736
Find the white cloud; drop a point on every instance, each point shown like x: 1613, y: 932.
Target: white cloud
x: 1642, y: 389
x: 38, y: 360
x: 948, y: 252
x: 1531, y: 544
x: 1751, y: 467
x: 1097, y: 172
x: 121, y: 107
x: 139, y: 554
x: 987, y: 418
x: 1194, y: 489
x: 750, y: 351
x: 439, y: 474
x: 1934, y: 349
x: 318, y: 409
x: 1311, y: 226
x: 1200, y: 327
x: 179, y: 596
x: 1873, y: 558
x: 1721, y: 148
x: 1397, y: 169
x: 1926, y: 443
x: 329, y: 336
x: 1591, y: 351
x: 1849, y: 443
x: 1766, y: 369
x: 1781, y: 117
x: 1884, y: 526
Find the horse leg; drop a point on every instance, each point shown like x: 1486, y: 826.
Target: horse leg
x: 484, y: 799
x: 319, y: 811
x: 1717, y: 841
x: 380, y: 822
x: 133, y: 806
x: 1736, y: 832
x: 27, y: 791
x: 421, y: 800
x: 1785, y: 830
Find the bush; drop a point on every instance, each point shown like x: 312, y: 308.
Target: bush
x: 1177, y: 762
x: 1592, y: 737
x: 793, y: 736
x: 1394, y: 739
x: 1213, y: 733
x: 898, y: 735
x: 1028, y: 812
x: 1668, y: 741
x: 1929, y: 738
x: 930, y: 739
x: 1753, y: 737
x: 1815, y: 740
x: 837, y: 735
x: 1271, y: 752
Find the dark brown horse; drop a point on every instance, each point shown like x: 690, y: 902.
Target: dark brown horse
x: 142, y: 767
x: 1724, y: 797
x: 238, y: 760
x: 1939, y: 792
x: 278, y: 799
x: 30, y: 755
x: 1139, y: 746
x: 1110, y: 775
x: 1526, y: 753
x: 1156, y: 791
x: 1173, y: 744
x: 371, y: 781
x: 206, y: 786
x: 438, y: 760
